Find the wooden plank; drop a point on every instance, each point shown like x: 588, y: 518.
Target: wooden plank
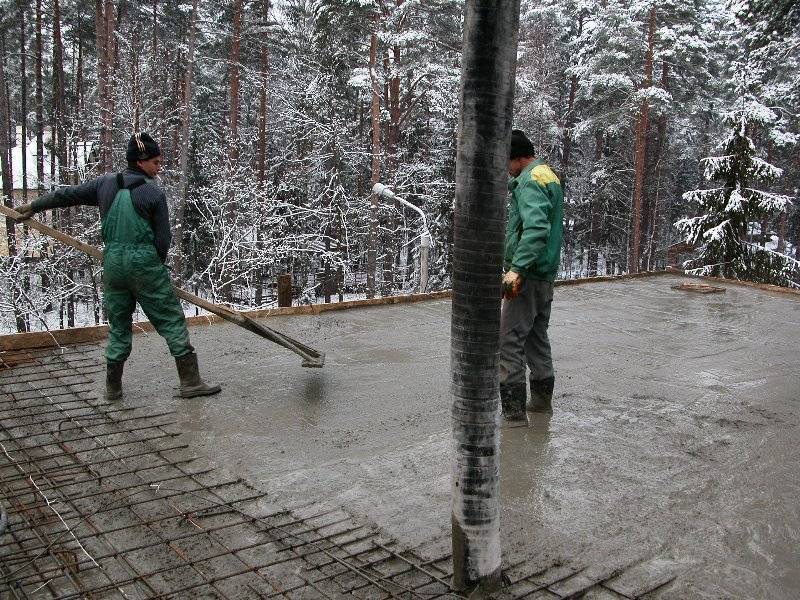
x: 77, y: 335
x: 699, y: 288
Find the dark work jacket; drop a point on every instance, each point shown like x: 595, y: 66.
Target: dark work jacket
x: 148, y: 199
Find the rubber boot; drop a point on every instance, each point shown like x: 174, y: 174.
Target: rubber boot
x: 512, y: 399
x: 191, y: 383
x: 542, y: 395
x: 114, y: 380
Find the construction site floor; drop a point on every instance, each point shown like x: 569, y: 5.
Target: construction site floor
x: 668, y: 469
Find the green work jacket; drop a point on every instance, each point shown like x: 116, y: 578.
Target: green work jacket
x: 535, y: 223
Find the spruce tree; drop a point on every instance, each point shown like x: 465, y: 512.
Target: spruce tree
x: 725, y: 213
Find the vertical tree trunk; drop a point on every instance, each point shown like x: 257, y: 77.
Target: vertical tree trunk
x: 135, y: 88
x: 486, y: 100
x: 104, y: 28
x: 372, y: 239
x: 781, y: 233
x: 594, y: 215
x: 566, y: 138
x: 569, y: 122
x: 261, y: 160
x: 392, y: 98
x: 233, y: 141
x: 640, y: 149
x: 23, y: 97
x: 183, y: 160
x: 79, y: 93
x: 5, y: 148
x: 261, y: 151
x: 6, y: 174
x: 650, y: 226
x: 39, y: 102
x: 59, y: 118
x: 766, y: 235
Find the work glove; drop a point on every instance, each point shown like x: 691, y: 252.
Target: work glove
x: 512, y: 282
x: 26, y: 212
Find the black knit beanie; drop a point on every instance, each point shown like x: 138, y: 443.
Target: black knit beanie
x: 141, y: 147
x: 521, y: 146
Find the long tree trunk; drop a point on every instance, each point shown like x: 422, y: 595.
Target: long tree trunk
x: 261, y: 154
x: 569, y: 122
x: 59, y: 138
x: 104, y: 28
x: 39, y: 102
x: 261, y: 149
x: 372, y: 238
x: 6, y: 173
x: 594, y: 214
x: 650, y: 226
x: 183, y: 161
x: 59, y: 117
x: 486, y: 99
x: 640, y: 150
x: 5, y: 148
x: 23, y: 97
x: 233, y: 140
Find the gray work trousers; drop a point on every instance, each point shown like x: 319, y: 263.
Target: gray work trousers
x: 523, y: 333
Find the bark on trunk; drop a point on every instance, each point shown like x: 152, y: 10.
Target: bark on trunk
x: 23, y: 69
x: 594, y: 215
x: 104, y: 30
x: 650, y: 227
x: 486, y: 99
x: 261, y: 152
x: 59, y: 116
x: 640, y: 149
x: 233, y: 140
x: 39, y: 102
x: 5, y: 151
x: 372, y: 238
x: 183, y: 161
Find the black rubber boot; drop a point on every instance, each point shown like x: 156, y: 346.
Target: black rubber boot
x: 542, y: 395
x: 191, y: 383
x: 114, y: 380
x: 512, y: 398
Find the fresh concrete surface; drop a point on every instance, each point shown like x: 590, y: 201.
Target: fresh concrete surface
x: 673, y: 449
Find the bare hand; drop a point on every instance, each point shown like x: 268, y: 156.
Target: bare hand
x: 512, y: 282
x: 26, y: 212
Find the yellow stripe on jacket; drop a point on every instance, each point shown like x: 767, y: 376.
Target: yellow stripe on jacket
x: 542, y: 175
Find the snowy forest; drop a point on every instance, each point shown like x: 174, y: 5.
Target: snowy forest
x: 673, y: 126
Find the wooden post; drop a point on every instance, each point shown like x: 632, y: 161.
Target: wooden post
x: 285, y: 290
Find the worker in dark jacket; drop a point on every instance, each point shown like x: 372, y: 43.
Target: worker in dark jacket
x: 136, y: 234
x: 532, y: 256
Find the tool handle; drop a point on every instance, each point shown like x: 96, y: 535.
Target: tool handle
x: 53, y: 233
x: 310, y: 356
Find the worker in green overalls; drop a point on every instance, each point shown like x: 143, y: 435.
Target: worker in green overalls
x: 136, y: 234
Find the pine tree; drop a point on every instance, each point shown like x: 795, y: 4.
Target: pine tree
x: 727, y: 212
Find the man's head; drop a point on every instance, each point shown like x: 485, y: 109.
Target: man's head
x: 144, y: 154
x: 521, y: 153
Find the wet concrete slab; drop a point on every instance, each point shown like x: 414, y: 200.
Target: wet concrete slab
x: 670, y: 459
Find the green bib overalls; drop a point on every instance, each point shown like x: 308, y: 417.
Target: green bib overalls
x: 133, y: 272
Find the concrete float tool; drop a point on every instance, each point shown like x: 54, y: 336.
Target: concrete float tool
x: 311, y: 358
